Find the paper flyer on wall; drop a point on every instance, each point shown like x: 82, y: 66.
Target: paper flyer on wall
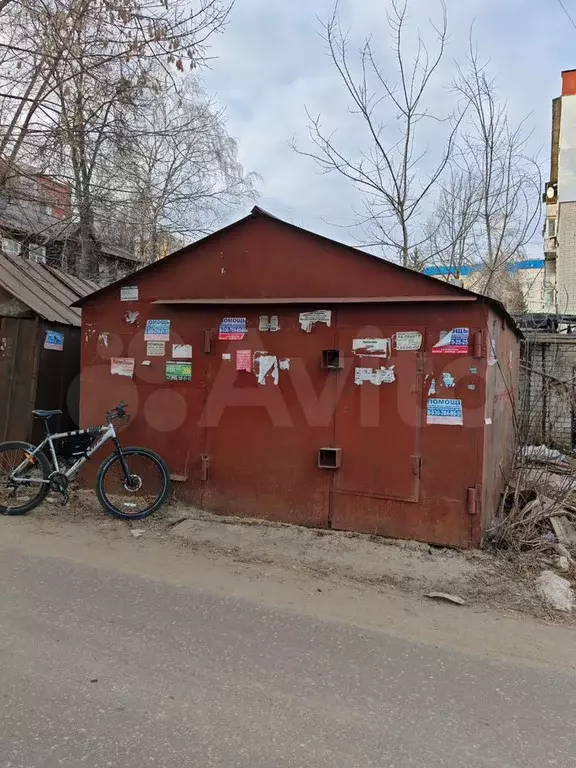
x: 122, y: 366
x: 54, y: 340
x: 155, y: 348
x: 407, y: 341
x: 181, y: 351
x: 376, y: 376
x: 454, y: 342
x: 371, y: 347
x: 244, y: 360
x: 444, y: 411
x: 157, y: 330
x: 232, y: 329
x: 178, y: 371
x: 129, y: 293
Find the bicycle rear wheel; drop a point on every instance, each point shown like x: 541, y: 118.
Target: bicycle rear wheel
x: 17, y: 498
x: 139, y: 495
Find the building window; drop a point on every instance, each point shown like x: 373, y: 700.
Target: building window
x: 37, y: 253
x: 11, y: 247
x: 552, y: 227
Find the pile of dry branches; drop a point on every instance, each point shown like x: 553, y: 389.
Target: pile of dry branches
x: 538, y: 511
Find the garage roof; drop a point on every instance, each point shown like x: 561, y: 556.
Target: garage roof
x: 47, y: 291
x: 450, y: 292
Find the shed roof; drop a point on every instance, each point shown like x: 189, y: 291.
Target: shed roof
x: 449, y: 292
x: 48, y: 292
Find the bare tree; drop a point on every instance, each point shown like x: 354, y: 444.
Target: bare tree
x: 92, y: 66
x: 180, y: 170
x: 451, y: 225
x: 392, y: 166
x: 505, y: 178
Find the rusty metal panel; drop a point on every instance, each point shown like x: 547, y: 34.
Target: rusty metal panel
x: 407, y: 478
x: 262, y: 439
x: 262, y: 258
x: 165, y: 415
x: 378, y: 424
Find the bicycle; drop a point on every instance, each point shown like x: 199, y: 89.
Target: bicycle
x: 25, y: 469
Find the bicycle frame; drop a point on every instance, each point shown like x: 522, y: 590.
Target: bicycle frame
x: 108, y: 432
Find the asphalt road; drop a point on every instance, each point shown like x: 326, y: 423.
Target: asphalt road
x: 100, y: 669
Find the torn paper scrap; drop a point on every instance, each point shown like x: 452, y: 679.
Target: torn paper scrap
x: 274, y: 324
x: 285, y: 364
x: 181, y: 351
x: 492, y: 358
x: 103, y: 339
x: 454, y: 342
x: 432, y: 388
x: 307, y: 320
x: 131, y: 317
x: 244, y: 360
x: 122, y: 366
x: 376, y: 376
x: 448, y: 380
x: 265, y: 365
x: 444, y: 411
x: 371, y: 347
x: 407, y: 341
x: 263, y: 323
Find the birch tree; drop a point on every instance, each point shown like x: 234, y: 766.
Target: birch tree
x: 181, y: 171
x: 92, y: 69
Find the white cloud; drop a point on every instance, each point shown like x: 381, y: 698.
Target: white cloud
x: 272, y: 62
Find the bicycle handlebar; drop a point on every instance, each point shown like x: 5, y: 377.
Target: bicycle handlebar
x: 118, y: 412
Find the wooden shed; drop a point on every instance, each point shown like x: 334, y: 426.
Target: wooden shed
x: 39, y: 345
x: 286, y: 376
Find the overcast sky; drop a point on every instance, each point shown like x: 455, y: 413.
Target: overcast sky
x: 272, y: 64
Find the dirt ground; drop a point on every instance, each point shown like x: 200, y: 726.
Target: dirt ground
x: 479, y: 578
x: 363, y: 580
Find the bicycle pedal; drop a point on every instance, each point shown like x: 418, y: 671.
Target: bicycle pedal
x: 65, y: 499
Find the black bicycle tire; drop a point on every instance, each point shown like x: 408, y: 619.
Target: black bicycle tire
x: 105, y: 466
x: 44, y: 488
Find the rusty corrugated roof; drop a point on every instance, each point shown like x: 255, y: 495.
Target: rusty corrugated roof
x: 47, y: 291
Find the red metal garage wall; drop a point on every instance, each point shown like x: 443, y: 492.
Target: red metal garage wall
x: 399, y: 476
x: 250, y: 448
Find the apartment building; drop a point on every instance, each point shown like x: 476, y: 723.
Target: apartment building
x: 560, y: 201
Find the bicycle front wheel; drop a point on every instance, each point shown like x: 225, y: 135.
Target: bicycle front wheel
x: 139, y: 494
x: 26, y: 489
